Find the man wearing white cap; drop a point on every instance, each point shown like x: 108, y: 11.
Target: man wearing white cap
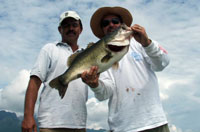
x: 134, y: 102
x: 55, y: 114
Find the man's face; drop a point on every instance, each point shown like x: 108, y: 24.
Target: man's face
x: 70, y: 30
x: 110, y: 23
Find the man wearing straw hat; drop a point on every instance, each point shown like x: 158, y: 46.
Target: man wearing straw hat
x: 134, y: 102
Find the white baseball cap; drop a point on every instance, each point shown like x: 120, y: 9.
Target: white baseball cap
x: 68, y: 14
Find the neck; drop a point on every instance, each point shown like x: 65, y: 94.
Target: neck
x: 73, y: 45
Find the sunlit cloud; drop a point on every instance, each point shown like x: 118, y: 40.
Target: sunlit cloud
x: 12, y: 96
x: 97, y: 114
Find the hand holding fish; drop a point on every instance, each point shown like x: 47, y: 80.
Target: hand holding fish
x: 91, y: 78
x: 140, y: 35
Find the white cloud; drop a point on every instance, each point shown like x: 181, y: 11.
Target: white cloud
x: 173, y: 128
x: 97, y: 114
x: 12, y: 96
x: 164, y: 96
x: 183, y: 104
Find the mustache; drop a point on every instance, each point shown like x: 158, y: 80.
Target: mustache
x: 71, y: 31
x: 111, y: 29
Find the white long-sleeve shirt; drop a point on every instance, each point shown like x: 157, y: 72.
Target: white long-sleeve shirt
x: 133, y: 93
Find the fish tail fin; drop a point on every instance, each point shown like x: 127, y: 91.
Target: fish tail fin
x: 62, y: 91
x: 57, y: 84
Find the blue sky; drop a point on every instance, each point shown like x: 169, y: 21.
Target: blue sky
x: 25, y: 26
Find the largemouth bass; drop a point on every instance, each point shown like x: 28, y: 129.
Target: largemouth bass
x: 105, y: 53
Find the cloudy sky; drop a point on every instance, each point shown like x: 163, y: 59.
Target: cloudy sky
x: 26, y: 25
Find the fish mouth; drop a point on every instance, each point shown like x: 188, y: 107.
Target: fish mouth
x: 116, y: 48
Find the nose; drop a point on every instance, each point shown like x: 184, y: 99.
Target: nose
x: 71, y: 27
x: 111, y: 24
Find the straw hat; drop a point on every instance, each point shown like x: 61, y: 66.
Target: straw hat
x: 95, y: 22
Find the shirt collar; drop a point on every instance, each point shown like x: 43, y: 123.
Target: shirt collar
x: 62, y: 43
x: 65, y: 44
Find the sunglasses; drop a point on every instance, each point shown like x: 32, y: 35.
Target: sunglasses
x: 105, y: 23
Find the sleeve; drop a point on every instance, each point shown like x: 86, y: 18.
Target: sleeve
x: 41, y: 65
x: 157, y: 56
x: 105, y: 89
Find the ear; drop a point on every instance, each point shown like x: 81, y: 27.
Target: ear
x: 60, y: 29
x: 81, y: 30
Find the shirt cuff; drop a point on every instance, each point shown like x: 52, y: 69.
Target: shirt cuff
x: 98, y: 88
x: 152, y: 47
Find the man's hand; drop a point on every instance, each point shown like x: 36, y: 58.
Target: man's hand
x: 140, y: 35
x: 91, y: 78
x: 29, y: 125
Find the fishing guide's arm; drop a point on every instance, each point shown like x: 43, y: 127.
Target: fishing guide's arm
x: 101, y: 85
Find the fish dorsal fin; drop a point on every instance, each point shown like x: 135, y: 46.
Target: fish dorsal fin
x: 72, y: 57
x: 115, y: 66
x: 106, y: 58
x: 90, y: 44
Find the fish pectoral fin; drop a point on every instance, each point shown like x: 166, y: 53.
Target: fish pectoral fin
x: 115, y: 66
x: 56, y: 83
x: 106, y: 58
